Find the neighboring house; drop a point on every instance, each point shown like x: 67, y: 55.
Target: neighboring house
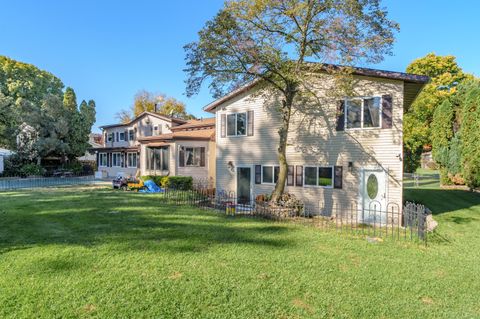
x: 4, y: 153
x: 95, y: 141
x: 341, y: 152
x: 188, y: 150
x: 153, y: 144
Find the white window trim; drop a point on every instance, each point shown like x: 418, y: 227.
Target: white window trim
x: 128, y: 159
x: 131, y: 135
x: 273, y: 174
x: 362, y: 98
x: 120, y: 139
x: 118, y: 156
x: 317, y: 167
x: 100, y: 160
x: 236, y: 115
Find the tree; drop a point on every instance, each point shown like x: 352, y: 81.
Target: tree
x: 145, y: 101
x: 271, y: 41
x: 33, y: 106
x: 7, y: 122
x: 470, y: 134
x: 20, y: 80
x: 445, y: 75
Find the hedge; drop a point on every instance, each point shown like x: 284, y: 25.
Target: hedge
x: 175, y: 182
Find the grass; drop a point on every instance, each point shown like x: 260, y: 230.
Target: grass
x: 90, y: 252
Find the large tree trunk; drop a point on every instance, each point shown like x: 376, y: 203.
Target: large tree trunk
x: 286, y: 112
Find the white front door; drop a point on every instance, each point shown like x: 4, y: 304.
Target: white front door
x: 373, y: 191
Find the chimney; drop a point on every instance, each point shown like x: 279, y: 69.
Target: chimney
x: 156, y: 108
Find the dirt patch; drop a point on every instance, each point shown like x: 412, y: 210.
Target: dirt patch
x: 176, y: 275
x: 427, y: 300
x: 302, y: 305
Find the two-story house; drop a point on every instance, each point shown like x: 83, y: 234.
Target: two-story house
x: 153, y: 144
x: 342, y: 151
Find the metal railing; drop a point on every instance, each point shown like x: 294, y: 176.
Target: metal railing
x: 377, y: 222
x: 29, y: 182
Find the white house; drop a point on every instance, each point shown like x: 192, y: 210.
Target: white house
x: 3, y: 154
x: 343, y: 151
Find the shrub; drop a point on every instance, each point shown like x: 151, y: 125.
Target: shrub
x: 32, y: 170
x: 156, y: 179
x: 177, y: 182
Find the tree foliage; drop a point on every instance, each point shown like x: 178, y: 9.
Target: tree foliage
x: 470, y: 133
x: 272, y: 41
x: 37, y: 118
x: 145, y: 101
x: 445, y: 75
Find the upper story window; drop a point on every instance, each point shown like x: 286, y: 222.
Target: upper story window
x: 131, y: 135
x: 237, y: 124
x: 121, y: 136
x: 270, y: 174
x: 110, y: 137
x: 363, y: 113
x: 318, y: 176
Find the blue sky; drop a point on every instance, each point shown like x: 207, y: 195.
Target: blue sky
x: 108, y: 50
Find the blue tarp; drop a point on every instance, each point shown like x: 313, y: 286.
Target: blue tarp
x: 151, y: 187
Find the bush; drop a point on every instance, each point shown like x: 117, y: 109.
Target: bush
x: 156, y: 179
x: 31, y: 170
x: 184, y: 183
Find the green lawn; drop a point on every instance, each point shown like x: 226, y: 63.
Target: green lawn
x: 90, y: 252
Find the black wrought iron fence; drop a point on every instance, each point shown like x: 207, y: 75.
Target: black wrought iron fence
x: 28, y: 182
x: 376, y: 221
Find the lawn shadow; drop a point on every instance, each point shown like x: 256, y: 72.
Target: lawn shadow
x: 127, y: 221
x: 441, y: 201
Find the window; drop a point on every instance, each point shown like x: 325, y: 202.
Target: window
x: 158, y: 158
x: 237, y: 124
x: 270, y: 174
x: 132, y: 159
x: 157, y: 129
x: 122, y: 136
x: 131, y: 135
x: 193, y: 155
x: 110, y: 137
x: 117, y: 159
x: 102, y: 160
x: 318, y: 176
x: 362, y: 113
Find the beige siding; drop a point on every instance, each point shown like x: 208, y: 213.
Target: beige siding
x: 198, y: 173
x: 144, y: 128
x: 313, y: 140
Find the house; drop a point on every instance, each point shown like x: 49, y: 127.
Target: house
x: 95, y: 141
x: 346, y: 153
x: 4, y: 153
x: 153, y: 144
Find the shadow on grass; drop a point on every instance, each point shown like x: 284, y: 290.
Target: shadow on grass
x: 443, y: 201
x: 125, y: 221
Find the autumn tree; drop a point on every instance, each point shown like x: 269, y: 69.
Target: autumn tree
x: 145, y: 101
x: 270, y: 41
x: 445, y: 75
